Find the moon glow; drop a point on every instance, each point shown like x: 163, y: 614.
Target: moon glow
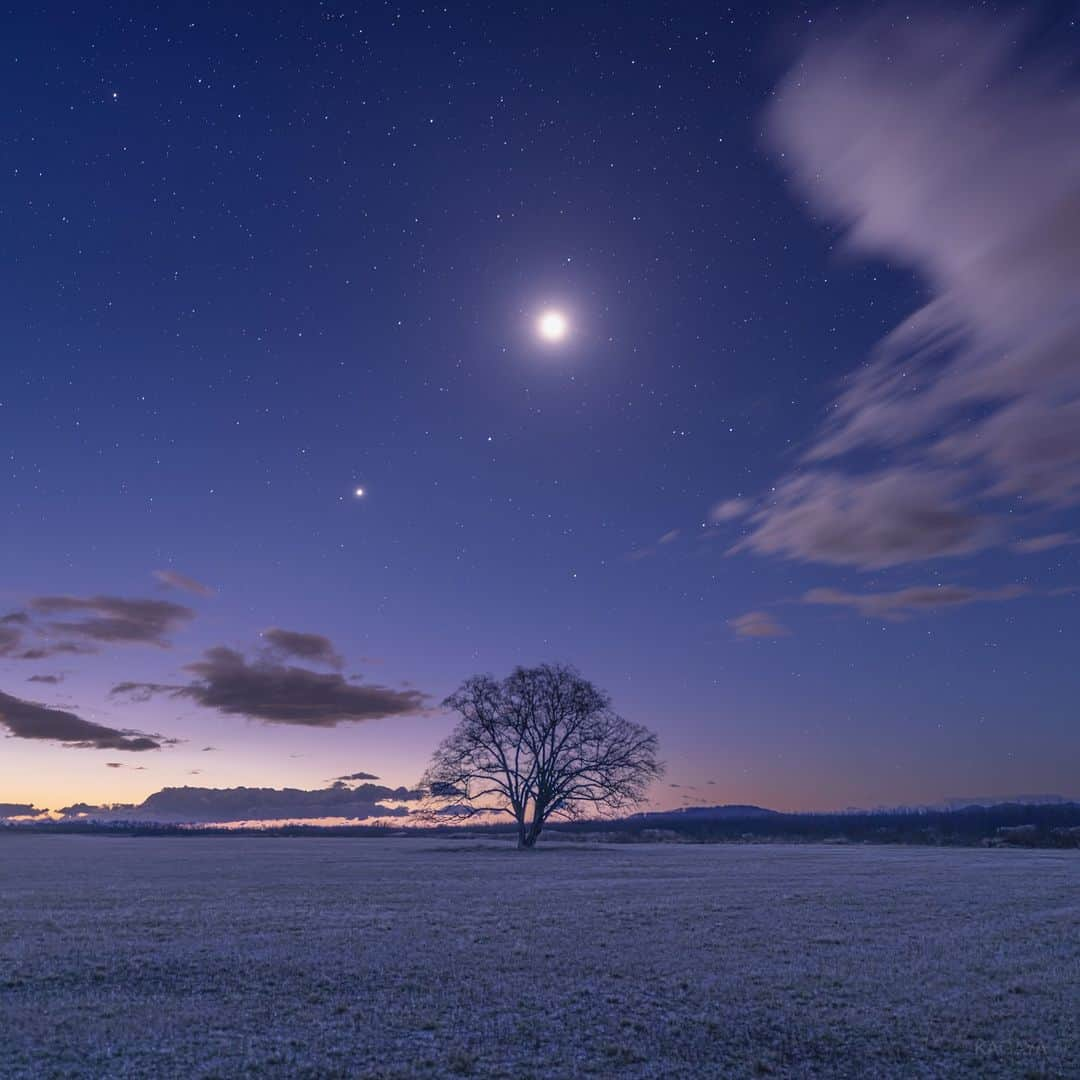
x: 552, y: 326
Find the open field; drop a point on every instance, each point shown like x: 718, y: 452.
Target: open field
x: 201, y: 957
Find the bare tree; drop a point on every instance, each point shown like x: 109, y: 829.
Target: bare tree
x: 542, y: 742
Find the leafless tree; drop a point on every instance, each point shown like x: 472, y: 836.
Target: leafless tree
x: 542, y: 742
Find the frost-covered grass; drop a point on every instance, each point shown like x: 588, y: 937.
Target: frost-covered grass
x: 412, y: 958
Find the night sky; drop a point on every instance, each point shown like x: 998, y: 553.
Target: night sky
x: 798, y: 486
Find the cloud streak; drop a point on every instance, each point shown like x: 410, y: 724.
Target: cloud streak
x: 902, y: 603
x: 172, y: 579
x: 758, y: 624
x: 891, y: 517
x: 932, y: 144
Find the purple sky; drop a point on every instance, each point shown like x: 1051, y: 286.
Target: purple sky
x: 799, y: 488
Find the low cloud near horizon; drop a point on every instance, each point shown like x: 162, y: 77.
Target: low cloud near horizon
x: 206, y: 805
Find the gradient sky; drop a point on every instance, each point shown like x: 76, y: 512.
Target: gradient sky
x: 799, y: 489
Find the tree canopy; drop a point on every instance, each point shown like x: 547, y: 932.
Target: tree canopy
x: 542, y: 742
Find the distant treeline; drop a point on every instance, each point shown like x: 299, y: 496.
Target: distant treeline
x: 1010, y: 824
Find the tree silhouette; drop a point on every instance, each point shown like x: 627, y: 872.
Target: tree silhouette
x: 541, y: 742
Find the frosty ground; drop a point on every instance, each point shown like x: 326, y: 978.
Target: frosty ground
x: 382, y: 958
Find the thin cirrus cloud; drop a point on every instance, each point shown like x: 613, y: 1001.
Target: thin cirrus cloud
x: 29, y: 720
x: 277, y: 693
x: 758, y: 624
x: 1036, y: 544
x: 113, y: 619
x: 729, y: 510
x: 173, y: 579
x: 933, y: 146
x: 902, y: 603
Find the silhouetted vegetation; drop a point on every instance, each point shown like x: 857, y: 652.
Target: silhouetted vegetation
x: 541, y: 744
x: 1007, y: 825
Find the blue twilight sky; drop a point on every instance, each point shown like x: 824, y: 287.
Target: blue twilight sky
x: 798, y: 487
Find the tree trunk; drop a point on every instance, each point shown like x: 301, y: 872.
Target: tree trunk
x: 528, y: 834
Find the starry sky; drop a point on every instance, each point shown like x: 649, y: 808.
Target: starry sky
x: 798, y: 487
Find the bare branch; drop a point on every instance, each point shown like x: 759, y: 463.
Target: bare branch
x: 544, y: 741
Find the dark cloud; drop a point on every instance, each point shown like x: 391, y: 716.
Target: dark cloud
x: 870, y: 521
x: 81, y: 809
x: 905, y: 602
x: 28, y: 720
x: 357, y: 776
x: 314, y: 648
x: 194, y: 804
x: 15, y: 618
x: 10, y: 640
x: 115, y: 619
x: 51, y: 680
x: 10, y: 810
x: 174, y: 580
x: 279, y: 694
x: 931, y: 145
x: 57, y: 648
x: 758, y: 624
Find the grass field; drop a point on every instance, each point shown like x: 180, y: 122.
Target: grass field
x: 201, y: 957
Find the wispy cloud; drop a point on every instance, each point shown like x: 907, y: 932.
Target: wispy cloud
x: 920, y: 598
x: 929, y: 141
x: 172, y: 579
x: 891, y: 517
x: 758, y: 624
x: 1035, y: 544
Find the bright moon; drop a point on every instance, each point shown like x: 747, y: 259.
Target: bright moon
x: 552, y: 326
x: 359, y: 493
